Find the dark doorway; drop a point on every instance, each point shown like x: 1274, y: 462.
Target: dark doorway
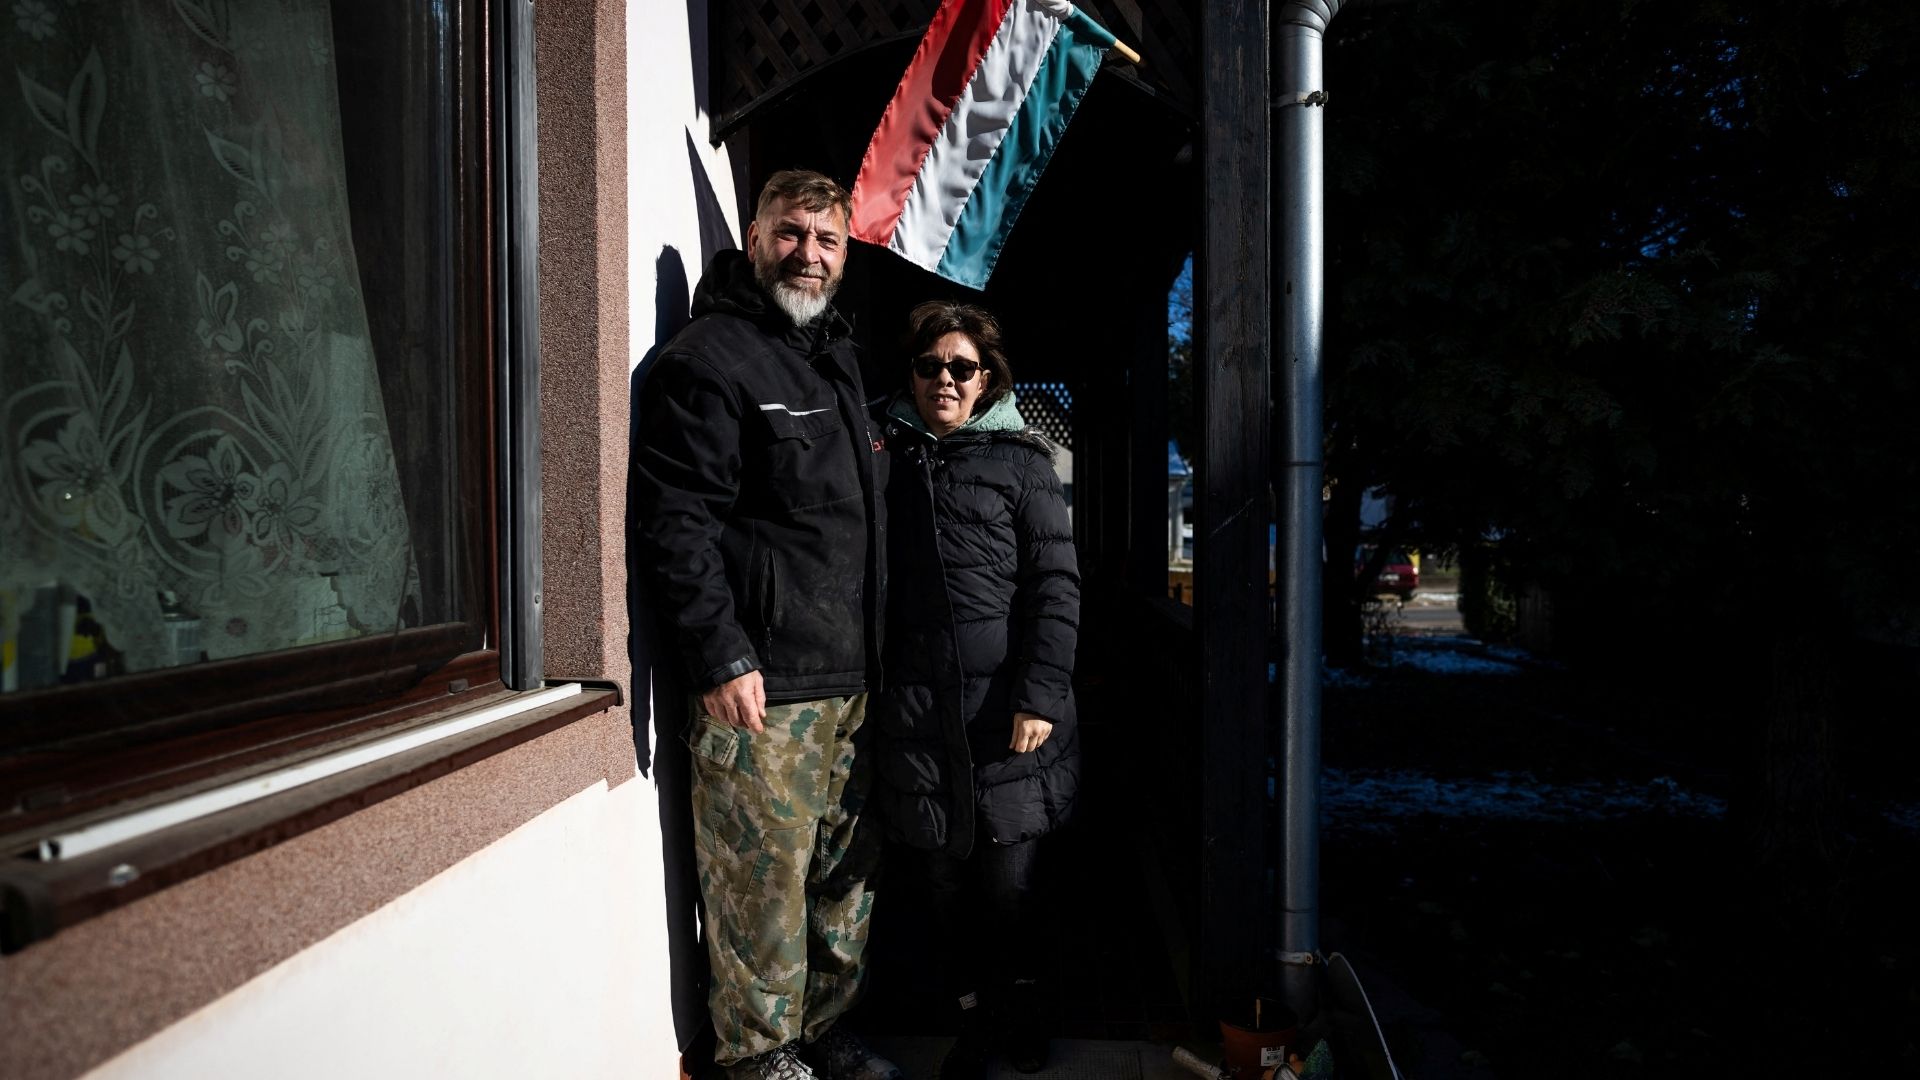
x: 1081, y: 291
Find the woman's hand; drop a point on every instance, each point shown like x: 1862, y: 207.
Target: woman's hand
x: 1029, y: 731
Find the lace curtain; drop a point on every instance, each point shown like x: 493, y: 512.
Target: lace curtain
x: 194, y: 454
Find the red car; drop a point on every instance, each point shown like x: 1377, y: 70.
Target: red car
x: 1399, y: 575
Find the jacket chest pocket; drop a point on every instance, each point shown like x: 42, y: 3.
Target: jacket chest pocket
x: 801, y: 450
x: 806, y: 425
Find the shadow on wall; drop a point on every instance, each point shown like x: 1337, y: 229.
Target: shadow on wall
x: 671, y: 303
x: 715, y: 235
x: 670, y: 771
x: 662, y: 758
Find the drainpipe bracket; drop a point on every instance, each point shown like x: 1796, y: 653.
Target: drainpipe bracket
x: 1301, y: 97
x: 1302, y: 959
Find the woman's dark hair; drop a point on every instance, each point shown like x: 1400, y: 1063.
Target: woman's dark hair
x: 936, y: 319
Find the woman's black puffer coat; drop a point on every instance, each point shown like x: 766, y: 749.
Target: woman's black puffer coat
x: 983, y: 617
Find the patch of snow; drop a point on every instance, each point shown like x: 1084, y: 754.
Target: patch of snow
x: 1452, y: 641
x: 1509, y: 652
x: 1371, y: 800
x: 1904, y: 815
x: 1450, y: 662
x: 1343, y: 678
x: 1448, y: 654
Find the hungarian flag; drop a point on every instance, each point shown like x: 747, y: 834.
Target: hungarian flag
x: 977, y: 115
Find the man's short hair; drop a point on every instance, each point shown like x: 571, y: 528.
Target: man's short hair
x: 813, y: 192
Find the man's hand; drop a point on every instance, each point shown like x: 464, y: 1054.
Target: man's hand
x: 741, y: 702
x: 1029, y: 731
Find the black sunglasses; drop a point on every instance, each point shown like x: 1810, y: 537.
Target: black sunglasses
x: 961, y: 368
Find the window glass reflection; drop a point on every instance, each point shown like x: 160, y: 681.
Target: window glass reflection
x: 196, y: 458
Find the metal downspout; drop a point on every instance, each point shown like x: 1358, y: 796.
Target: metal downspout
x: 1299, y: 264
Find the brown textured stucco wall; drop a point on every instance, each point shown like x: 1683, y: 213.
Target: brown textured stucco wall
x: 581, y: 56
x: 74, y: 1001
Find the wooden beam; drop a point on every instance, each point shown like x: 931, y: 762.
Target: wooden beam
x: 1233, y: 317
x: 1146, y: 505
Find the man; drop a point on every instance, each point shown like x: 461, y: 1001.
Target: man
x: 757, y: 510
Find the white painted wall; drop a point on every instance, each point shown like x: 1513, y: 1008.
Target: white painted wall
x: 661, y: 111
x: 540, y: 955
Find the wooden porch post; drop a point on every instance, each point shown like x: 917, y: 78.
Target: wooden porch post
x: 1147, y: 447
x: 1233, y: 317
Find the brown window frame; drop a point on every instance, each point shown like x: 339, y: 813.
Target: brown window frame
x: 73, y: 755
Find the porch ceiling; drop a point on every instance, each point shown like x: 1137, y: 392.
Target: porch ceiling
x: 763, y: 48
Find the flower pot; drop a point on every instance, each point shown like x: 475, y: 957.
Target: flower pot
x: 1259, y: 1042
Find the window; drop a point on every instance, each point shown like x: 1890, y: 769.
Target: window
x: 246, y: 381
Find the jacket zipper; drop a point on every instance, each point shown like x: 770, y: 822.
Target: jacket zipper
x: 767, y: 607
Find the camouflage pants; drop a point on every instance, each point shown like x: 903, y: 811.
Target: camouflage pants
x: 784, y: 860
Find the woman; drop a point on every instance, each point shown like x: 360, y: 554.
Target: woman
x: 979, y: 752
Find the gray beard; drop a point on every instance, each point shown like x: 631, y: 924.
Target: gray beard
x: 800, y: 305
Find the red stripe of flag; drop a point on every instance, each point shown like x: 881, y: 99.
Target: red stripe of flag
x: 956, y: 39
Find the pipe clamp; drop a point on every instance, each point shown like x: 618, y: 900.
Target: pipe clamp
x: 1301, y: 97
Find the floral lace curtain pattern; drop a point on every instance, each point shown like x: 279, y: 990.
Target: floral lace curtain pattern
x: 194, y: 454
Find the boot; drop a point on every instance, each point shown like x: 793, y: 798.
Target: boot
x: 842, y: 1055
x: 780, y: 1064
x: 967, y: 1058
x: 1026, y: 1027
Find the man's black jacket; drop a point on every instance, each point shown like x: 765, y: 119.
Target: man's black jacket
x: 757, y: 509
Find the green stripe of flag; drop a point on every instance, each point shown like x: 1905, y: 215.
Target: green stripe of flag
x: 1083, y: 26
x: 1057, y: 88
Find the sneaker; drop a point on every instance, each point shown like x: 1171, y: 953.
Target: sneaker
x: 842, y: 1055
x: 967, y: 1058
x: 781, y: 1064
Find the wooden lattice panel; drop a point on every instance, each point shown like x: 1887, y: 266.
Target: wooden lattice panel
x: 763, y: 47
x: 1048, y: 408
